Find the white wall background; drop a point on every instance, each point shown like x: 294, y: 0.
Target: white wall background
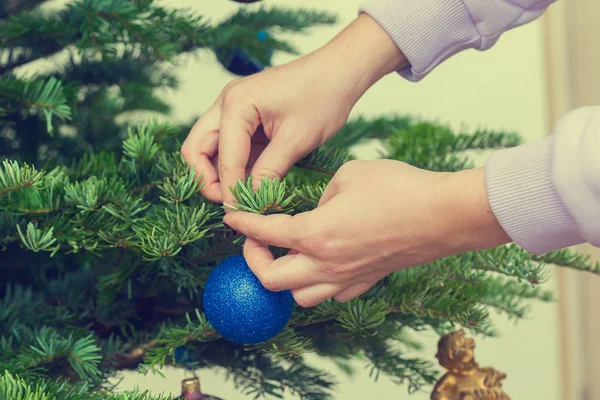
x: 502, y: 88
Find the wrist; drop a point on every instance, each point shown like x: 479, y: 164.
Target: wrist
x: 361, y: 55
x: 474, y: 225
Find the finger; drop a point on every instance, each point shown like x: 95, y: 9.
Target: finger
x: 329, y: 193
x: 310, y: 296
x: 285, y: 273
x: 258, y: 257
x: 279, y: 230
x: 278, y: 157
x: 238, y: 124
x: 198, y: 149
x: 353, y: 291
x: 207, y: 149
x: 255, y: 152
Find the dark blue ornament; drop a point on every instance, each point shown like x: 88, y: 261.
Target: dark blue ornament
x: 241, y: 63
x: 180, y: 355
x: 240, y: 308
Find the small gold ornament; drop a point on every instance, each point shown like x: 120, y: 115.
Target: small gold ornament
x: 190, y: 390
x: 464, y: 379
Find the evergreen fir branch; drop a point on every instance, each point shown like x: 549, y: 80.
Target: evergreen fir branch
x: 40, y: 201
x: 411, y: 371
x: 263, y: 378
x: 287, y: 345
x: 127, y: 68
x: 310, y: 194
x: 507, y: 296
x: 180, y: 188
x: 325, y: 160
x: 101, y: 164
x: 20, y: 306
x: 184, y: 30
x: 38, y: 240
x: 510, y: 260
x: 135, y: 25
x: 482, y: 139
x: 140, y: 145
x: 8, y: 234
x: 174, y: 228
x: 51, y: 349
x: 46, y: 97
x: 569, y: 259
x: 161, y: 350
x: 13, y: 387
x: 307, y: 383
x: 14, y: 177
x: 436, y: 147
x: 361, y: 129
x: 29, y: 36
x: 292, y: 20
x: 363, y: 317
x: 138, y: 97
x: 37, y: 96
x: 215, y: 247
x: 172, y: 163
x: 89, y: 194
x: 273, y: 196
x: 12, y: 7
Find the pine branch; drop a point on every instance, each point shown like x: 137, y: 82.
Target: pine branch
x: 325, y: 160
x: 569, y: 259
x: 291, y: 20
x: 12, y: 7
x: 37, y: 96
x: 14, y: 177
x: 361, y: 129
x: 287, y: 345
x: 413, y: 372
x: 273, y: 196
x: 14, y: 387
x: 437, y: 148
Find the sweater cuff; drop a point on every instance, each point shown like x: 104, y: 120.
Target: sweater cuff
x: 426, y: 31
x: 524, y: 199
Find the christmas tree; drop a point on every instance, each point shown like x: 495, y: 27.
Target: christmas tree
x: 107, y: 244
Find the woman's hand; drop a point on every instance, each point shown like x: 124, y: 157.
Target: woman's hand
x: 263, y: 124
x: 374, y: 218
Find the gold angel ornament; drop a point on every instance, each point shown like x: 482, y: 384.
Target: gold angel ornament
x: 464, y: 379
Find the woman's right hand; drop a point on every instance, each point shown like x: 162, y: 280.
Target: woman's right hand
x: 261, y: 125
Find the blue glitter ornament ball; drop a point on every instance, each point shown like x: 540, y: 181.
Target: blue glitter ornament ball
x: 240, y: 63
x: 240, y: 308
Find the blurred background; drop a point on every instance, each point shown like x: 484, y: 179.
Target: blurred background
x: 523, y: 84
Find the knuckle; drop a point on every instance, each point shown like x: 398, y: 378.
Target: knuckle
x: 308, y: 241
x: 233, y: 94
x: 229, y: 87
x: 333, y: 271
x: 185, y: 150
x: 267, y: 173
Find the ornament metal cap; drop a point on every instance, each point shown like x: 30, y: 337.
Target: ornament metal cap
x: 190, y: 385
